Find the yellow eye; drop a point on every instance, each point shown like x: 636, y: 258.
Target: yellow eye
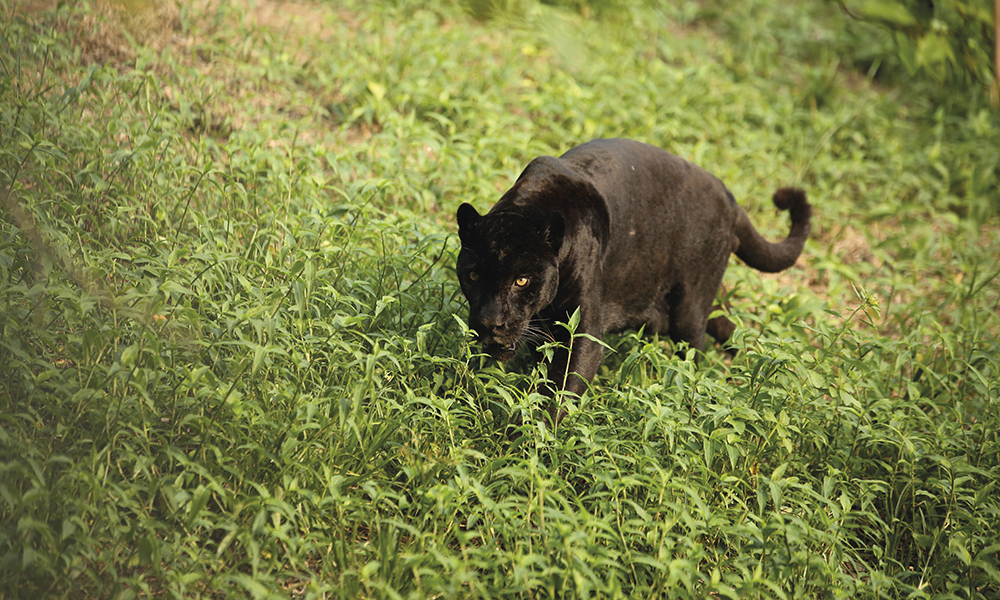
x: 473, y: 276
x: 521, y: 281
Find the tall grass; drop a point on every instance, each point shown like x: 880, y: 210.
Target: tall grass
x: 234, y: 363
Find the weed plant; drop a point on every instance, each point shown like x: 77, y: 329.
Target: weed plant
x: 234, y: 364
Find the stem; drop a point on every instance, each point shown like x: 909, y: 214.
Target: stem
x: 995, y: 95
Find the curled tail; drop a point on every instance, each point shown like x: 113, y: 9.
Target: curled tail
x: 769, y: 257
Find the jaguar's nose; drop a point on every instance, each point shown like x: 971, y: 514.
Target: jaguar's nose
x: 493, y: 326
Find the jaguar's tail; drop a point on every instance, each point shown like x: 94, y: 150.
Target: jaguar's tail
x: 770, y: 257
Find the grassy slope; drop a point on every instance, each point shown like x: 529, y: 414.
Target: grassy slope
x: 230, y: 363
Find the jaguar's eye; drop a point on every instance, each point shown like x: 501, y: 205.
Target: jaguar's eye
x: 473, y: 276
x: 521, y: 281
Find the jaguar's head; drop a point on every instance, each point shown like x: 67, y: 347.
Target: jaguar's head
x: 508, y: 270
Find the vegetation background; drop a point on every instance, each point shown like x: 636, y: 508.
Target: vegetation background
x: 233, y: 360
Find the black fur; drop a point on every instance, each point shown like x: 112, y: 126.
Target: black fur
x: 632, y: 235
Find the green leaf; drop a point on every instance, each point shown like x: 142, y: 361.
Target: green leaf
x: 172, y: 287
x: 129, y: 354
x: 198, y: 502
x: 259, y: 353
x: 377, y: 89
x: 888, y: 11
x: 574, y: 320
x: 935, y: 53
x: 907, y: 52
x: 382, y: 304
x: 145, y: 551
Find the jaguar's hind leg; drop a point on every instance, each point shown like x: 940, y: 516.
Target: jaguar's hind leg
x: 720, y: 328
x: 687, y: 324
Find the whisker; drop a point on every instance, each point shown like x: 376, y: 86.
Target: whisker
x: 538, y: 329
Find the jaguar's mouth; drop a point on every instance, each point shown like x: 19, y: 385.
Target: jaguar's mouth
x: 499, y: 351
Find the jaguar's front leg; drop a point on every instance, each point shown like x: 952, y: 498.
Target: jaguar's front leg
x: 575, y: 360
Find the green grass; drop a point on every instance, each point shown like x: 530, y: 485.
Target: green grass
x: 233, y: 361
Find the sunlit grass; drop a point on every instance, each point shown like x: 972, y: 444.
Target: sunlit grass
x: 234, y: 364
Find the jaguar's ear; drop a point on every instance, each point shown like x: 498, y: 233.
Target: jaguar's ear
x: 467, y: 216
x: 555, y: 228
